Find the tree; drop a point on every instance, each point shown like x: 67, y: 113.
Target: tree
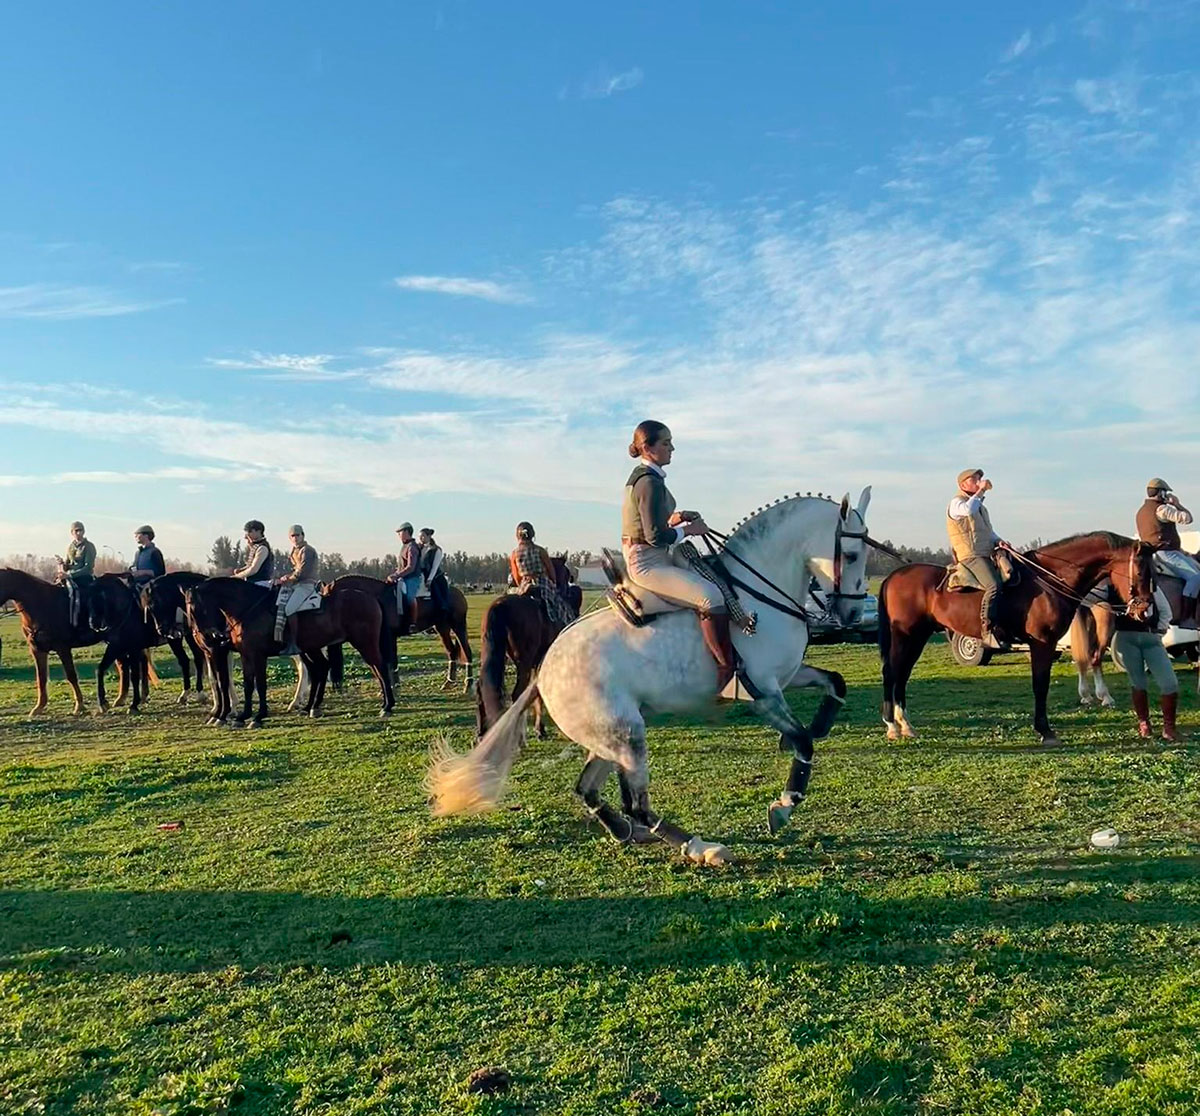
x: 224, y: 555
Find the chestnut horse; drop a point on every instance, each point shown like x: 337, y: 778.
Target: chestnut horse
x: 247, y: 613
x: 1037, y: 609
x: 515, y: 626
x: 46, y: 621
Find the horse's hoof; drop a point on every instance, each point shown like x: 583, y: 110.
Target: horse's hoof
x: 712, y: 853
x: 256, y: 723
x: 893, y: 733
x: 1051, y: 742
x: 778, y: 815
x: 908, y: 733
x: 449, y: 684
x: 1108, y: 702
x: 314, y: 713
x: 385, y: 712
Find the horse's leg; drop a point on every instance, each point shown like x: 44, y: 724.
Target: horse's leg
x: 223, y: 700
x: 903, y: 656
x: 198, y: 660
x: 106, y: 660
x: 312, y: 703
x: 122, y: 684
x: 524, y: 674
x: 68, y: 664
x: 442, y: 627
x: 249, y: 667
x: 464, y: 646
x: 141, y: 685
x: 322, y: 682
x: 185, y: 668
x: 693, y: 848
x: 1103, y: 693
x: 260, y: 683
x: 595, y: 772
x: 41, y: 669
x: 1041, y: 660
x: 302, y: 698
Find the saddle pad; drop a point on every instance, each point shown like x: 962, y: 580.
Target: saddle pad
x: 959, y: 579
x: 304, y: 598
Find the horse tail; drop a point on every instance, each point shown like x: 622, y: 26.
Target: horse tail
x: 492, y: 655
x: 472, y: 782
x: 885, y: 649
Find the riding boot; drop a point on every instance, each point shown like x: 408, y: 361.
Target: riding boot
x: 1170, y: 703
x: 288, y: 638
x: 1141, y: 706
x: 715, y: 629
x: 414, y: 610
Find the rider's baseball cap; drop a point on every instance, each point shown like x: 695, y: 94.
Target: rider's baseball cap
x: 404, y: 527
x: 967, y: 474
x: 1157, y: 484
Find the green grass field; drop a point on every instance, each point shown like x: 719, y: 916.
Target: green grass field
x: 931, y: 935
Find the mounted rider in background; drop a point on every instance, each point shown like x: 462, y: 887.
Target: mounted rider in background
x: 973, y: 542
x: 532, y: 573
x: 650, y: 528
x: 78, y: 569
x: 407, y: 576
x: 148, y: 562
x: 1158, y: 521
x: 295, y: 587
x: 260, y: 561
x: 432, y: 557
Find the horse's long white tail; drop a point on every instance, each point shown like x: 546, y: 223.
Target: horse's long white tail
x: 472, y: 782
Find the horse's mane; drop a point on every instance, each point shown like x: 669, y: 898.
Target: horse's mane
x: 1114, y: 540
x: 749, y: 521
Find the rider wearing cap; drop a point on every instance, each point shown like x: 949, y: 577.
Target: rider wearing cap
x: 148, y: 562
x: 973, y: 541
x: 407, y: 575
x: 302, y: 577
x: 1158, y: 522
x: 78, y: 568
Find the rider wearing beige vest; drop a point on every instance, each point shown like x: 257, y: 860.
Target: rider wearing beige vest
x: 650, y: 528
x: 306, y: 569
x: 973, y: 541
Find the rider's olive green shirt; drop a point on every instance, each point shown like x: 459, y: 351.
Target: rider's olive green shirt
x: 80, y: 559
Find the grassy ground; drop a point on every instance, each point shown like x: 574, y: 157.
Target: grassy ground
x: 932, y: 934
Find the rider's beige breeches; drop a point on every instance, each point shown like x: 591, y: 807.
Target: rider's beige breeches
x: 663, y: 572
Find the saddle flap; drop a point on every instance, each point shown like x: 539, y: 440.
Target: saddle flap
x: 637, y: 605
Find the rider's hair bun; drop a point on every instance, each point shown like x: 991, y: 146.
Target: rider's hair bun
x: 646, y: 433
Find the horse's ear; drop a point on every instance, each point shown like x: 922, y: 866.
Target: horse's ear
x: 863, y: 500
x: 844, y: 510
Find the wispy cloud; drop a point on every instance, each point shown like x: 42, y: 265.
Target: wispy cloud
x: 605, y: 82
x: 284, y: 366
x: 1018, y: 46
x: 59, y: 302
x: 486, y: 289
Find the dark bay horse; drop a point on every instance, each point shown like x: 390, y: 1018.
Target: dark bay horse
x: 451, y: 627
x: 516, y: 627
x: 115, y: 611
x: 1038, y: 609
x: 247, y: 613
x: 164, y: 605
x: 46, y: 621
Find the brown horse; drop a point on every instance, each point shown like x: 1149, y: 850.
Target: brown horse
x: 516, y: 627
x: 451, y: 627
x: 1038, y: 609
x: 246, y: 613
x: 46, y: 621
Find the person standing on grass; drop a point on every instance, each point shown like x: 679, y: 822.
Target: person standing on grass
x: 1138, y: 646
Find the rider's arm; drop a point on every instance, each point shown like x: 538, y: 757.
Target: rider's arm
x: 963, y: 506
x: 254, y: 563
x: 650, y: 494
x: 1173, y: 513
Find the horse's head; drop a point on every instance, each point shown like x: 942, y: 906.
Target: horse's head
x: 204, y: 614
x: 842, y: 572
x: 157, y: 609
x: 1132, y: 573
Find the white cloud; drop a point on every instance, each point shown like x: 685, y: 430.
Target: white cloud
x: 58, y: 302
x: 1018, y: 47
x: 485, y: 289
x: 605, y: 83
x: 284, y: 366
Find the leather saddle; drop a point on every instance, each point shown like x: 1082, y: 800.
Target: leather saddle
x: 631, y: 602
x: 960, y: 579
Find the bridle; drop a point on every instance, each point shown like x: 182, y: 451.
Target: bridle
x: 130, y: 601
x: 1045, y: 578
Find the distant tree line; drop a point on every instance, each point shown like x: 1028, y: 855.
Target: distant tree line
x: 46, y: 566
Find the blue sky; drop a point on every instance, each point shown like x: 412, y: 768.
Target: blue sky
x: 355, y: 265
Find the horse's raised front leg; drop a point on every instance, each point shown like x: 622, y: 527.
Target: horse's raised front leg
x: 795, y: 738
